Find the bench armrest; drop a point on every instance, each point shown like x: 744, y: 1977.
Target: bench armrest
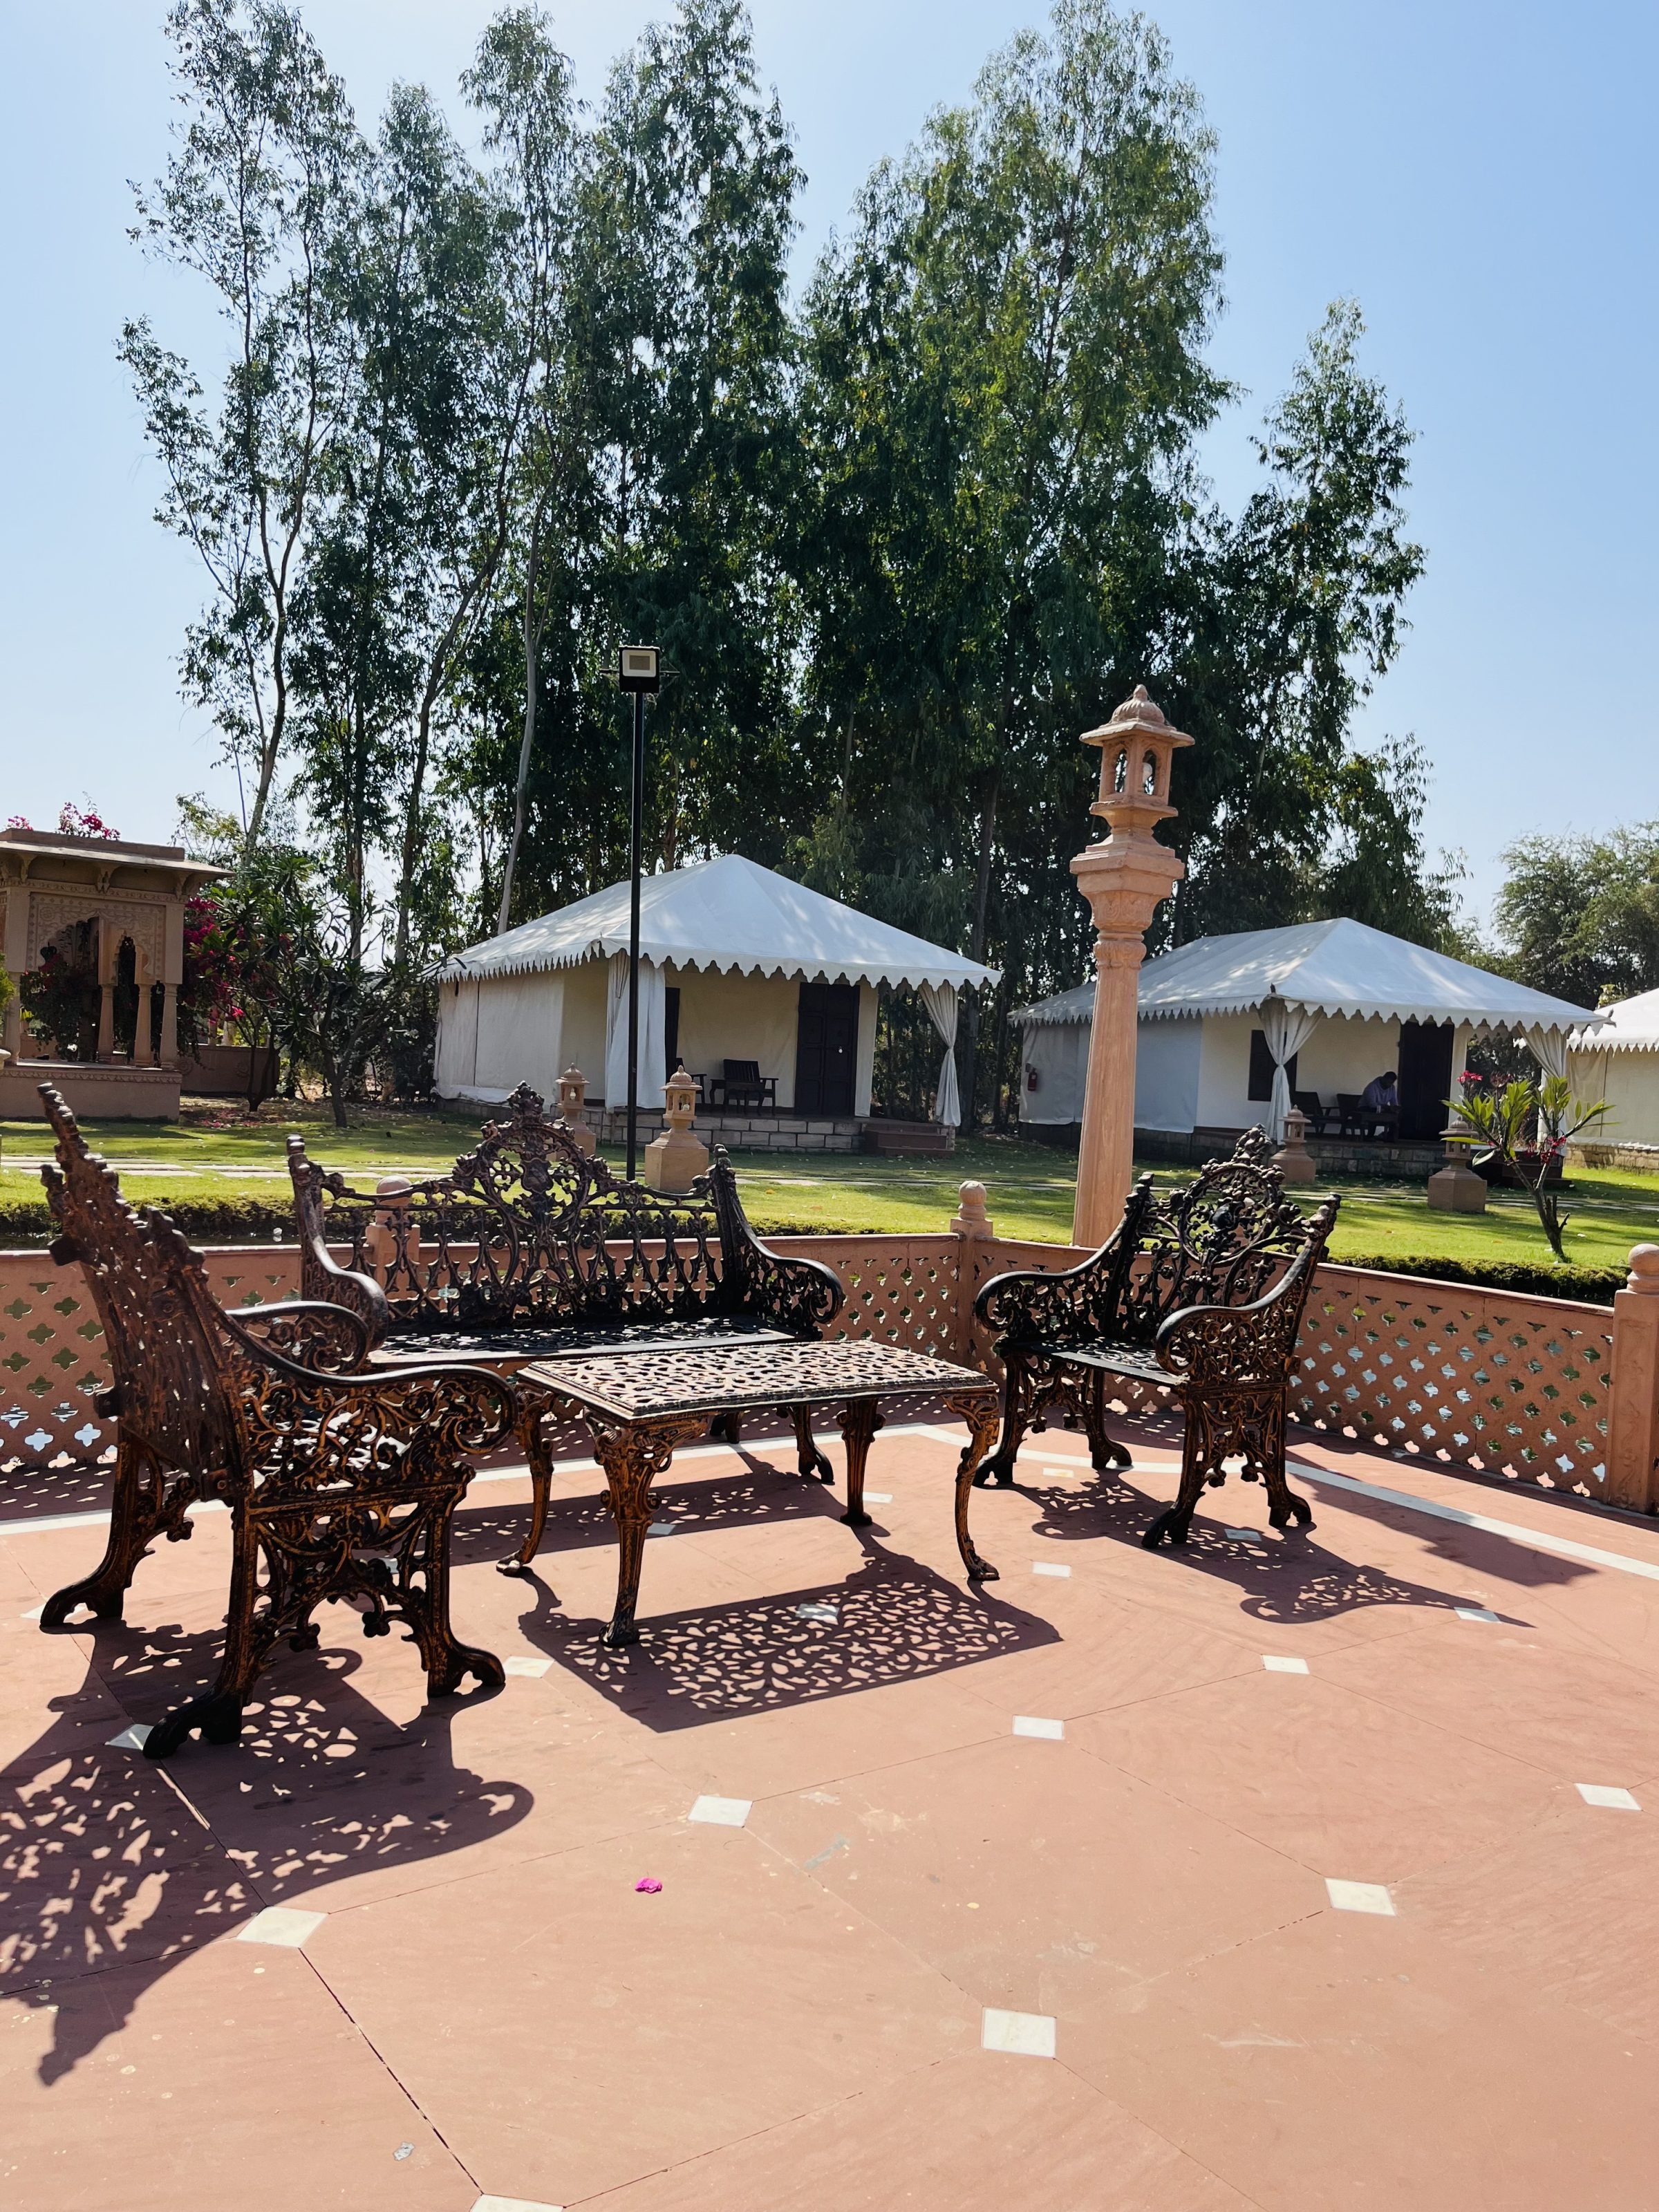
x: 321, y: 1277
x: 802, y: 1296
x: 314, y: 1333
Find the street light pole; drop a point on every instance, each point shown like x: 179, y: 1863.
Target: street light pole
x: 637, y: 671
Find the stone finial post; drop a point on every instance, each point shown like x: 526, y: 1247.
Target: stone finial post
x: 1124, y: 879
x: 573, y: 1109
x: 1295, y: 1162
x: 972, y: 1229
x: 391, y: 1227
x: 1633, y: 1395
x: 1456, y: 1188
x: 674, y: 1160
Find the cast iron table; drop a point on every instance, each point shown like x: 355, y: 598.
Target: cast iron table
x: 640, y: 1410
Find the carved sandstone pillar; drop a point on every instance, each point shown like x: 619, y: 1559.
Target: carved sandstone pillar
x: 167, y: 1055
x: 1124, y: 880
x: 1633, y: 1477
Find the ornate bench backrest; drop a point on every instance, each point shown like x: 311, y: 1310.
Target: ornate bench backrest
x: 527, y: 1229
x: 158, y: 1314
x: 1223, y: 1239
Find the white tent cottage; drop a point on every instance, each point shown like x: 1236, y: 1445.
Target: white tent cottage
x: 736, y: 963
x: 1231, y: 1027
x: 1619, y: 1060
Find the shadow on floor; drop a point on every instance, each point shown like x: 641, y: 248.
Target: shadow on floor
x: 894, y: 1621
x: 113, y: 1870
x: 1289, y: 1579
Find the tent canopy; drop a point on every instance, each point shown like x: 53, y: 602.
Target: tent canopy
x: 725, y: 914
x: 1331, y: 968
x: 1629, y: 1025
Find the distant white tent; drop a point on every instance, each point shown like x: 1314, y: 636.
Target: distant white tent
x: 1619, y: 1060
x: 1231, y: 1026
x: 735, y: 962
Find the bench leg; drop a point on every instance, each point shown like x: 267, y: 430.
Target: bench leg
x: 859, y: 1420
x: 534, y: 1412
x: 1199, y: 1463
x: 808, y: 1457
x: 633, y: 1457
x: 1016, y: 1392
x: 142, y: 1508
x: 979, y: 1410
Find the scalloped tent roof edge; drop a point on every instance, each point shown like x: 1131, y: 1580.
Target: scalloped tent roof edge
x: 729, y: 915
x: 1340, y: 968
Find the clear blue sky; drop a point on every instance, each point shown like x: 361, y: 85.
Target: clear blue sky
x: 1479, y: 177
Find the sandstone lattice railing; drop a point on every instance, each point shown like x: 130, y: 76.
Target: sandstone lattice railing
x: 1514, y: 1386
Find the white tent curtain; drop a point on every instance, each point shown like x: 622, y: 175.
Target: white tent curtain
x: 653, y: 1074
x: 1549, y: 1049
x: 1286, y: 1029
x: 940, y: 1000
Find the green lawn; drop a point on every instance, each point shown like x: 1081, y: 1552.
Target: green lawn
x: 220, y: 1150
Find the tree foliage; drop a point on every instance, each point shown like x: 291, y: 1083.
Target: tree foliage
x: 901, y: 540
x: 1580, y: 915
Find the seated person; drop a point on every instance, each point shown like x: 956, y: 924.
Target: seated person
x: 1381, y: 1096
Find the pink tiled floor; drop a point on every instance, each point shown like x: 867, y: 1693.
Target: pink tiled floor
x: 793, y: 2024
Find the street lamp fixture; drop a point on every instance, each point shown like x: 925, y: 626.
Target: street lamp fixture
x: 638, y: 671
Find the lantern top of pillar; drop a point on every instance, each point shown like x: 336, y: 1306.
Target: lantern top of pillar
x: 1135, y: 749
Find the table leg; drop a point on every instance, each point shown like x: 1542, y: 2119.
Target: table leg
x: 859, y: 1420
x: 979, y: 1409
x: 633, y: 1456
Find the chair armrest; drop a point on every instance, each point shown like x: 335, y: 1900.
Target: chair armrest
x: 443, y: 1411
x: 314, y: 1333
x: 1077, y: 1301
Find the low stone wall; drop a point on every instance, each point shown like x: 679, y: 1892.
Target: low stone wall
x: 738, y: 1132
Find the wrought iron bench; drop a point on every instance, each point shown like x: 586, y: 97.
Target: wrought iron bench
x: 1200, y: 1291
x: 529, y: 1249
x: 340, y: 1484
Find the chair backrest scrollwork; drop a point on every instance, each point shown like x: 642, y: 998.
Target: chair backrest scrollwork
x: 158, y: 1314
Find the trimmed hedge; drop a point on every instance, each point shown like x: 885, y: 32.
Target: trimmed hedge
x: 221, y: 1221
x: 1593, y: 1286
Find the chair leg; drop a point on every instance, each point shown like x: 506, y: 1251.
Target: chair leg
x: 1105, y: 1450
x: 141, y: 1508
x: 218, y: 1712
x: 1016, y: 1398
x: 424, y: 1602
x: 1200, y: 1462
x: 1266, y: 1457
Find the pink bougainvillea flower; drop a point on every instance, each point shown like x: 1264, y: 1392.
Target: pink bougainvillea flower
x: 648, y: 1886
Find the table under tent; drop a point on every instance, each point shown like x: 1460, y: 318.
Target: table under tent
x: 1233, y: 1029
x: 766, y: 991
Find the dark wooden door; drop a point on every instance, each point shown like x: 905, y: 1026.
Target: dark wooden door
x: 826, y: 1047
x: 1425, y: 1063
